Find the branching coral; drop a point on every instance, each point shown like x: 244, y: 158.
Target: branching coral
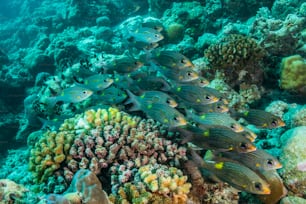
x: 105, y: 139
x: 49, y: 152
x: 155, y: 184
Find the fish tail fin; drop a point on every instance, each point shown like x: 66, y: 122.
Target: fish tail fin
x: 132, y: 100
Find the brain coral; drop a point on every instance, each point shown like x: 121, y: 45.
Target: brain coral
x: 104, y: 141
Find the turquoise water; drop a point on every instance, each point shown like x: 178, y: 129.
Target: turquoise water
x: 76, y: 82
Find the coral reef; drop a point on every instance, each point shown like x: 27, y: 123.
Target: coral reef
x: 293, y: 74
x: 48, y: 46
x: 154, y: 184
x: 103, y: 139
x: 238, y: 57
x: 10, y: 192
x: 293, y: 158
x: 203, y: 191
x: 85, y: 188
x: 299, y: 117
x: 277, y: 37
x: 49, y: 152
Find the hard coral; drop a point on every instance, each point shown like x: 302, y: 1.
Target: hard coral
x: 10, y: 192
x: 49, y: 152
x: 155, y: 184
x: 239, y: 57
x: 293, y: 158
x: 293, y: 74
x: 102, y: 140
x: 85, y: 188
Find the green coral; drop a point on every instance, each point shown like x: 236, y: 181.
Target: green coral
x: 49, y: 152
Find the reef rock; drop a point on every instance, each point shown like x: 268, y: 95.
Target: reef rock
x: 293, y: 158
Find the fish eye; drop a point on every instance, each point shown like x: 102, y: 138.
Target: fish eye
x: 176, y: 118
x: 274, y: 123
x: 135, y: 63
x: 233, y: 126
x: 183, y: 61
x: 258, y: 186
x: 156, y: 35
x: 189, y: 73
x: 168, y: 101
x: 243, y: 145
x: 84, y: 92
x: 208, y: 97
x: 270, y: 162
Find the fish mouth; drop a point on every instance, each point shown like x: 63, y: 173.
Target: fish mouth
x: 281, y: 123
x: 251, y: 148
x: 278, y: 165
x: 224, y: 109
x: 182, y: 122
x: 266, y: 190
x: 173, y: 104
x: 190, y: 64
x: 214, y: 99
x: 238, y: 128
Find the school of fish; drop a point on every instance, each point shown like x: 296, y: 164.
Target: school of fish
x: 163, y: 85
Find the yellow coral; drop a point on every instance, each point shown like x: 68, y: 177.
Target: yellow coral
x: 165, y: 180
x: 293, y: 73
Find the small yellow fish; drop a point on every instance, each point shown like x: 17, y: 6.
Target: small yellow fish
x: 235, y: 174
x: 123, y: 64
x: 200, y: 81
x: 258, y: 160
x: 144, y: 35
x: 194, y: 94
x: 278, y: 190
x: 110, y: 96
x: 165, y: 114
x: 222, y: 119
x: 248, y: 134
x: 219, y: 107
x: 148, y: 98
x: 262, y: 119
x: 97, y: 82
x: 217, y: 138
x: 184, y: 75
x: 73, y: 94
x: 170, y: 59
